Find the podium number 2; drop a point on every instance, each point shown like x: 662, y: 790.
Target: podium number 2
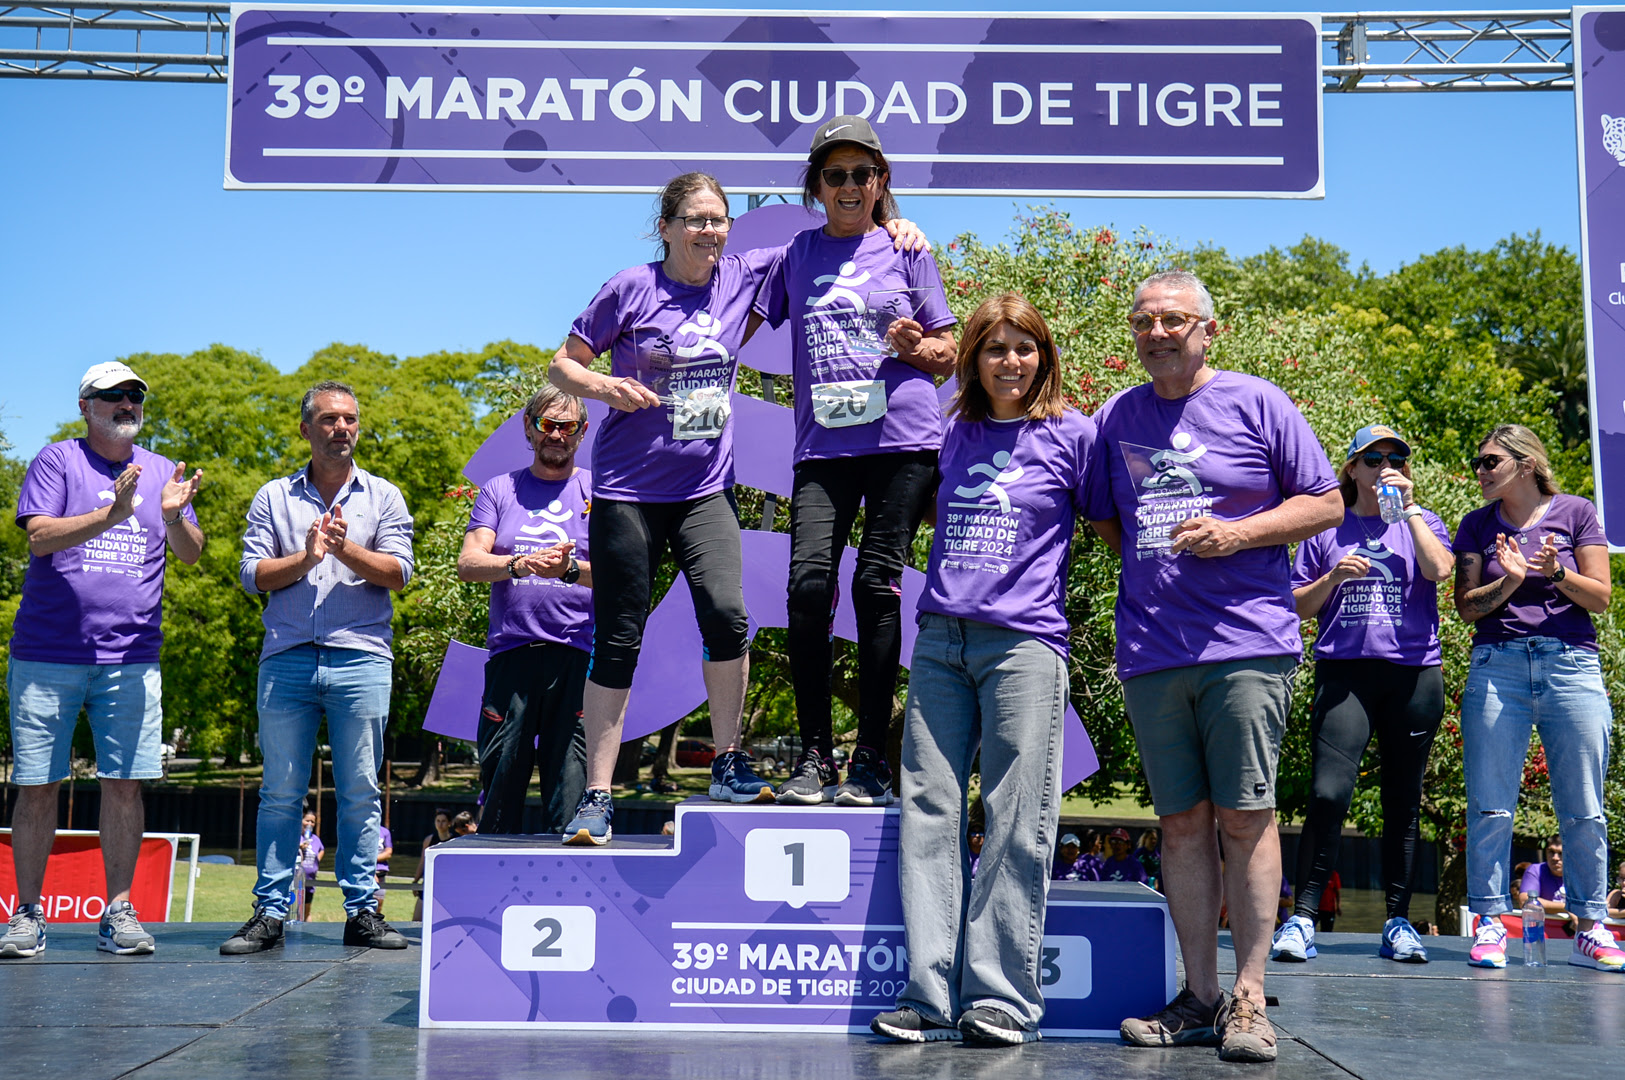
x: 553, y: 938
x: 798, y: 866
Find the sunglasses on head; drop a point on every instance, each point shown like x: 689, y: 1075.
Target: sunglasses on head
x: 860, y: 175
x: 566, y: 427
x: 1486, y: 462
x: 1374, y: 458
x: 135, y: 396
x: 1141, y: 322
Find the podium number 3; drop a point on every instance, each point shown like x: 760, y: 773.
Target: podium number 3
x: 551, y: 930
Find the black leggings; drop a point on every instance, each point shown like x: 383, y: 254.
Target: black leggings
x: 627, y: 541
x: 530, y: 717
x: 893, y: 489
x: 1355, y: 699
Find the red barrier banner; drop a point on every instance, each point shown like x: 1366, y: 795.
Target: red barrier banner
x: 76, y: 884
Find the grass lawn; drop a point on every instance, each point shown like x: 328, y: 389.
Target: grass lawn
x: 225, y: 894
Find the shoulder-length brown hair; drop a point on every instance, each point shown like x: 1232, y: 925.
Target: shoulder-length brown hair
x: 1045, y: 398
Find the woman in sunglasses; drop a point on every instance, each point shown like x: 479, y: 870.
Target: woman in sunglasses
x: 1531, y: 569
x: 1378, y: 671
x: 663, y: 472
x: 869, y: 330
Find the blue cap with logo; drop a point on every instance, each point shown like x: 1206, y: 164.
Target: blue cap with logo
x: 1375, y: 433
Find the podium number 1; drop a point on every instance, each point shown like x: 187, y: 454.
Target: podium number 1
x: 552, y: 938
x: 798, y: 866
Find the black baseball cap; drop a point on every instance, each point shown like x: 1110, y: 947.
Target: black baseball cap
x: 844, y: 129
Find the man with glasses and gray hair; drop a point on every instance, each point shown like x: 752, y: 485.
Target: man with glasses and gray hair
x: 1205, y: 477
x: 326, y: 546
x: 101, y: 514
x: 527, y: 537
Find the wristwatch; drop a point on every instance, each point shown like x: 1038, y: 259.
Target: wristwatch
x: 1562, y: 572
x: 1412, y: 511
x: 573, y: 574
x: 511, y: 571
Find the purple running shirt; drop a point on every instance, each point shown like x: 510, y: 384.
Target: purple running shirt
x: 528, y: 514
x: 1537, y: 608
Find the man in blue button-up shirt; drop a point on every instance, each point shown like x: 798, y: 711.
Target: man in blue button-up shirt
x: 327, y: 546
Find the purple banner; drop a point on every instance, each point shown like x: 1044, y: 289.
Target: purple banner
x: 1599, y: 108
x: 1040, y: 104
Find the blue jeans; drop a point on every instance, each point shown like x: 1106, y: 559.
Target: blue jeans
x: 297, y: 688
x: 975, y: 942
x: 1514, y: 686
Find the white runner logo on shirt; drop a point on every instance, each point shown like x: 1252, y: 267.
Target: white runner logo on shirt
x: 1376, y: 552
x: 707, y: 330
x: 981, y: 536
x: 1168, y: 467
x: 840, y: 288
x: 121, y: 549
x: 130, y: 522
x: 996, y: 475
x: 549, y: 529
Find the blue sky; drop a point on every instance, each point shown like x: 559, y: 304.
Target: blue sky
x: 120, y: 238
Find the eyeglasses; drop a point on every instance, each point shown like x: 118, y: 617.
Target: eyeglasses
x: 1141, y: 322
x: 567, y: 428
x: 1375, y: 458
x: 135, y: 396
x: 1486, y: 462
x: 860, y: 175
x: 698, y: 223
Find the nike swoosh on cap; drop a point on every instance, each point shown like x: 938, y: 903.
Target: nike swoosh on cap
x: 832, y: 131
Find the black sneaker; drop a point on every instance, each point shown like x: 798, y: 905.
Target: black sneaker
x: 812, y: 782
x: 259, y: 933
x: 994, y: 1027
x: 906, y: 1025
x: 368, y: 929
x: 868, y: 780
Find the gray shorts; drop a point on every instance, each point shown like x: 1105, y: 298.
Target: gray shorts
x: 1212, y: 732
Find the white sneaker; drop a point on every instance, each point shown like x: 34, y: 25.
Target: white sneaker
x: 1295, y: 941
x: 1401, y: 942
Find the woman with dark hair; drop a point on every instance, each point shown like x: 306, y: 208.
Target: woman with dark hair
x: 1531, y: 569
x: 870, y: 330
x: 989, y: 676
x: 1373, y: 586
x: 663, y: 474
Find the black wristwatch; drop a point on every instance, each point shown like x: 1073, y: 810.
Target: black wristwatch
x: 511, y: 571
x: 572, y: 575
x: 1562, y: 572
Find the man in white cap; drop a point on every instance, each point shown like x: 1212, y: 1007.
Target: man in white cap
x: 101, y: 515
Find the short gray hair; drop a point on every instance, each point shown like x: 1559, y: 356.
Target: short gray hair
x: 545, y: 399
x: 1181, y: 279
x: 307, y: 404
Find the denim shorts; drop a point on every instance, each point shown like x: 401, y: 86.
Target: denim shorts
x: 125, y: 706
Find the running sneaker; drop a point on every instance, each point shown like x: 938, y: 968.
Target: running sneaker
x: 1246, y: 1034
x: 906, y: 1025
x: 995, y: 1027
x: 120, y: 932
x: 1401, y: 942
x: 1489, y: 943
x: 733, y: 780
x: 1596, y: 948
x: 25, y: 934
x: 591, y: 823
x: 1295, y: 941
x: 813, y: 781
x: 259, y: 933
x: 868, y: 780
x: 1184, y: 1021
x: 368, y: 929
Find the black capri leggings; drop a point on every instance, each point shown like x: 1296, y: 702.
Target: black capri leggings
x: 627, y: 541
x: 1355, y: 699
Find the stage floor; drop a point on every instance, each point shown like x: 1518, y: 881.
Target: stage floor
x: 316, y: 1010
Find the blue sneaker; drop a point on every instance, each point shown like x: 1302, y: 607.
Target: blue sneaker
x: 733, y: 780
x: 591, y: 823
x: 1401, y: 942
x: 1295, y: 941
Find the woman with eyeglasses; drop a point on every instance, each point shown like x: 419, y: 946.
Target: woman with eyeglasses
x: 1531, y: 569
x: 663, y: 473
x: 1373, y: 586
x: 870, y: 328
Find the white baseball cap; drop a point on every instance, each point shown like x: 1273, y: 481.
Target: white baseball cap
x: 106, y: 376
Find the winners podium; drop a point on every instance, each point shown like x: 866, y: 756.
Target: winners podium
x: 749, y: 918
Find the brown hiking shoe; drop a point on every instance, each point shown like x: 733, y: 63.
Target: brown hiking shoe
x: 1184, y: 1022
x: 1247, y: 1034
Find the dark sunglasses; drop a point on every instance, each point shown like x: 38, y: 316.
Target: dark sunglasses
x: 567, y: 427
x: 1486, y: 462
x: 860, y: 176
x: 1375, y: 458
x: 135, y: 397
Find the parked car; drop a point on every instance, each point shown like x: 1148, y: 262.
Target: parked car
x: 782, y: 751
x: 695, y: 753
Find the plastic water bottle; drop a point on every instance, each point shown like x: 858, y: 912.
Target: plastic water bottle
x: 1534, y: 932
x: 1390, y: 503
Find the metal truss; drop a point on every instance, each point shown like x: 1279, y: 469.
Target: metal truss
x: 1391, y: 51
x: 160, y: 41
x: 184, y: 41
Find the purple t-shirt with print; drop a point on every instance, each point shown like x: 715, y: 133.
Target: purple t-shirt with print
x: 1125, y: 869
x: 97, y: 602
x: 682, y: 342
x: 1235, y: 447
x: 1390, y: 614
x: 1537, y: 608
x: 1006, y: 508
x: 833, y: 290
x: 1540, y: 880
x: 528, y: 514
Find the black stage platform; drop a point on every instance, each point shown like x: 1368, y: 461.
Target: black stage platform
x: 317, y: 1010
